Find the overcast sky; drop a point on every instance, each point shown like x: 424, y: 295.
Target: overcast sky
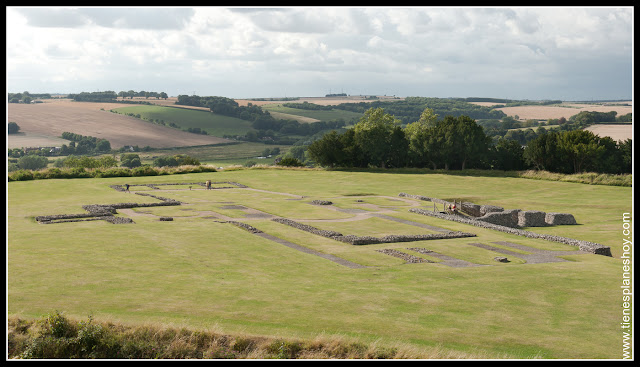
x: 517, y: 53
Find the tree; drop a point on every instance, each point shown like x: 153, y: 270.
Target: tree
x: 130, y: 160
x: 103, y: 145
x: 626, y: 154
x: 33, y: 162
x: 542, y: 153
x: 471, y: 142
x: 416, y: 134
x: 508, y: 155
x: 13, y: 128
x: 373, y: 135
x: 581, y: 148
x: 328, y: 150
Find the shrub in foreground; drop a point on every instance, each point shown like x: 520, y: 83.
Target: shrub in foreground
x: 58, y: 337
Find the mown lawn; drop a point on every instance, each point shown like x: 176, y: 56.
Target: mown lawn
x: 198, y: 272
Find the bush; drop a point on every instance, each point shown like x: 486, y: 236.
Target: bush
x: 290, y: 162
x: 116, y: 172
x: 130, y: 160
x: 58, y: 326
x: 33, y: 162
x: 21, y: 175
x: 13, y: 128
x: 144, y: 171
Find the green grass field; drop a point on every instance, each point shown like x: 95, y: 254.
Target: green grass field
x: 314, y: 114
x: 213, y: 124
x: 199, y: 272
x: 220, y: 155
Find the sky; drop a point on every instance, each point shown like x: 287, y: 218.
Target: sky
x: 535, y: 53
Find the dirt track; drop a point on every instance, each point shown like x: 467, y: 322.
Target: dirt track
x: 86, y: 118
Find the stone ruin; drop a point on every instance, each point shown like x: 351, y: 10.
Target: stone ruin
x: 514, y: 218
x: 106, y: 212
x: 586, y: 246
x: 511, y: 221
x: 369, y: 240
x: 321, y: 202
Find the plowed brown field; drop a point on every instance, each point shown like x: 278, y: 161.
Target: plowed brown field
x: 52, y: 118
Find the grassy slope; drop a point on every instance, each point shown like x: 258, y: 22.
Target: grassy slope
x: 200, y: 273
x: 215, y: 125
x: 315, y: 114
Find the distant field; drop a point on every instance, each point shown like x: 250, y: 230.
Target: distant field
x: 213, y: 124
x: 199, y: 271
x: 564, y: 110
x: 26, y: 140
x: 312, y: 115
x: 616, y: 132
x: 52, y: 118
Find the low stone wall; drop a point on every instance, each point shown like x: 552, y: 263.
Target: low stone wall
x: 321, y: 202
x: 370, y: 240
x: 587, y: 246
x: 307, y: 228
x: 406, y: 257
x: 245, y: 226
x: 106, y: 211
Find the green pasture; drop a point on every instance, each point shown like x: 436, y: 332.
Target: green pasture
x: 321, y: 115
x: 220, y: 155
x: 213, y: 124
x: 200, y: 272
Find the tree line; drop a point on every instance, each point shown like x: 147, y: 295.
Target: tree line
x: 379, y: 140
x: 410, y: 108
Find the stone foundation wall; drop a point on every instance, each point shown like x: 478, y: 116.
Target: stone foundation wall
x: 370, y: 240
x: 587, y: 246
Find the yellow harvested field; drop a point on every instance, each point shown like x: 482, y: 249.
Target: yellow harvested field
x: 52, y: 118
x: 616, y: 132
x: 565, y: 110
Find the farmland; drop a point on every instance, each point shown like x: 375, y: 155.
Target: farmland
x: 214, y: 125
x: 201, y: 272
x: 54, y: 117
x: 310, y: 115
x: 565, y: 110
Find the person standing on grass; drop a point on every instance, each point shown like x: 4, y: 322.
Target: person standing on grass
x: 208, y: 184
x: 126, y: 187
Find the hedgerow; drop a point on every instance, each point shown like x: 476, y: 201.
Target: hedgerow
x: 79, y: 172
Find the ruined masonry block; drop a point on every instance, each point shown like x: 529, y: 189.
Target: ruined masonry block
x: 554, y: 219
x: 531, y: 218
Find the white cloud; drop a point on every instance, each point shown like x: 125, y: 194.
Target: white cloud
x: 308, y: 49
